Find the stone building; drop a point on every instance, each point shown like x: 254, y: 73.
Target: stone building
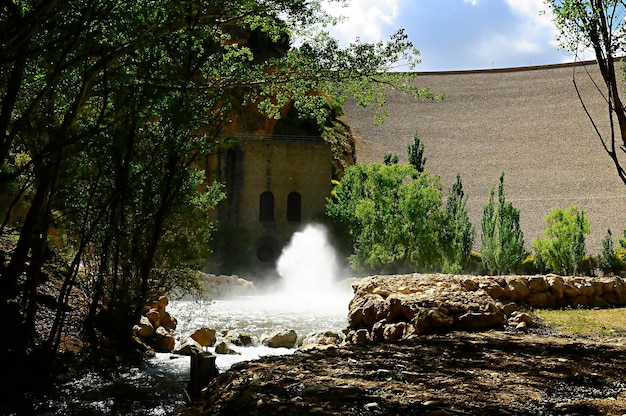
x: 274, y: 185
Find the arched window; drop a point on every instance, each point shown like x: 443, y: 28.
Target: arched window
x: 266, y: 206
x: 294, y: 207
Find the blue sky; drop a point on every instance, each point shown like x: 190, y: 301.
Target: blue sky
x: 458, y: 34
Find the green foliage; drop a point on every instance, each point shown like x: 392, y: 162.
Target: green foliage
x: 563, y: 249
x: 415, y: 152
x: 502, y: 242
x: 458, y: 235
x: 107, y: 106
x: 393, y: 215
x: 390, y: 159
x: 608, y: 260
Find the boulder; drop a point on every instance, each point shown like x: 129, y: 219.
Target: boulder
x: 154, y: 316
x: 164, y: 340
x: 144, y: 328
x: 224, y: 347
x: 188, y: 347
x: 204, y: 336
x: 322, y: 338
x: 519, y: 290
x: 537, y: 284
x: 281, y: 338
x: 518, y: 318
x: 168, y: 321
x: 242, y: 340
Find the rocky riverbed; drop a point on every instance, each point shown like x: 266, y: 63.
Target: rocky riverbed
x: 459, y: 373
x: 442, y: 345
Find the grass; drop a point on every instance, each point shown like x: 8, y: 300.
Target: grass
x: 590, y: 322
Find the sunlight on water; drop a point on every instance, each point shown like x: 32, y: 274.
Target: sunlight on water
x: 305, y: 298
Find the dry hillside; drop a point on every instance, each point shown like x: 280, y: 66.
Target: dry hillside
x: 527, y: 122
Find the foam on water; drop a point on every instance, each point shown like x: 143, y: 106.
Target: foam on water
x: 305, y: 298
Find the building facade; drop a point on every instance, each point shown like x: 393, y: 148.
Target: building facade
x: 274, y: 186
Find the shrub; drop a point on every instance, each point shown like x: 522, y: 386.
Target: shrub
x: 608, y: 260
x: 502, y: 242
x: 563, y: 249
x: 528, y: 265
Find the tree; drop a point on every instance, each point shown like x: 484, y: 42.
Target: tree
x: 393, y: 215
x: 609, y: 260
x: 415, y: 152
x: 599, y: 25
x: 459, y: 233
x: 563, y: 249
x: 502, y: 240
x: 106, y: 105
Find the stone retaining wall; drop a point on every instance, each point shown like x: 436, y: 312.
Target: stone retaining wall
x: 390, y: 308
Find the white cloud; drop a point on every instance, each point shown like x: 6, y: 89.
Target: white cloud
x: 533, y: 34
x: 365, y: 19
x: 472, y: 2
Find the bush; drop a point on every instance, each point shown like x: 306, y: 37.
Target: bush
x: 608, y: 260
x: 563, y: 249
x: 393, y: 215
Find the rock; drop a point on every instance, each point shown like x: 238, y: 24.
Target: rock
x: 523, y: 317
x: 222, y: 286
x: 168, y: 321
x: 204, y: 337
x: 522, y: 326
x: 164, y: 340
x: 519, y: 290
x: 570, y: 290
x: 154, y: 316
x: 537, y: 284
x: 224, y: 348
x: 394, y: 332
x: 144, y: 328
x: 537, y: 300
x: 556, y: 285
x: 322, y: 338
x: 163, y: 301
x: 241, y: 340
x: 479, y: 321
x: 429, y: 321
x: 509, y: 308
x: 358, y: 337
x: 188, y: 347
x: 281, y: 338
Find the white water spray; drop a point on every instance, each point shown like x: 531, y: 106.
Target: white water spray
x: 309, y: 264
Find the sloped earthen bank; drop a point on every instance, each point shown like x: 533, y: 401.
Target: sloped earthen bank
x: 392, y: 308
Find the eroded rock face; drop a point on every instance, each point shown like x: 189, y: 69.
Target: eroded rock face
x: 391, y: 308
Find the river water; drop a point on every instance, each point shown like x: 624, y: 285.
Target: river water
x: 305, y: 299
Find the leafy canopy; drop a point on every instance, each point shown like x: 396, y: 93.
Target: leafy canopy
x: 393, y: 215
x: 563, y: 249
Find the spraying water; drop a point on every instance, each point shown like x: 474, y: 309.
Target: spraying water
x: 306, y: 299
x: 308, y: 264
